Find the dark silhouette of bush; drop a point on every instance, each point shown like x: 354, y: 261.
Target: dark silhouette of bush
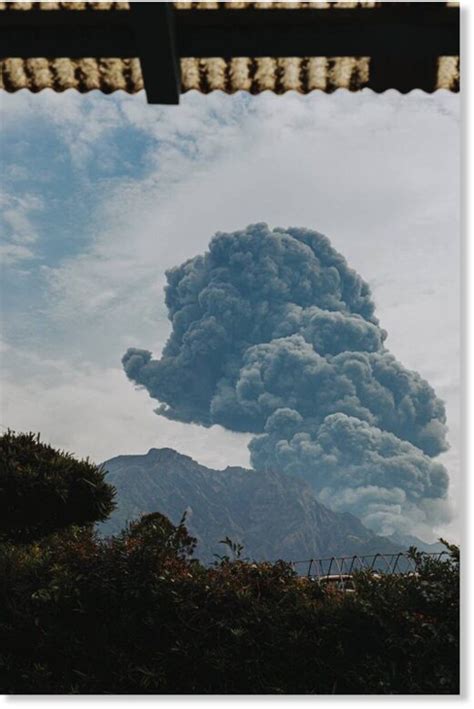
x: 155, y: 535
x: 83, y: 615
x: 135, y: 614
x: 43, y: 490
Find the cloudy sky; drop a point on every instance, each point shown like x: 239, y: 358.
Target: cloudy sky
x: 101, y: 194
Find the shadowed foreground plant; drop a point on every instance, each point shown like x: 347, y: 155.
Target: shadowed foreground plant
x: 43, y: 490
x: 79, y: 614
x: 135, y: 614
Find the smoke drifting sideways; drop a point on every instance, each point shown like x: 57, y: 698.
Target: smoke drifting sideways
x: 274, y: 334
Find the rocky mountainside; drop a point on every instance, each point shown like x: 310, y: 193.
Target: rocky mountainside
x: 408, y: 540
x: 274, y: 515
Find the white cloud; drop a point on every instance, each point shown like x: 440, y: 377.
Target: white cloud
x: 96, y: 413
x: 19, y: 232
x: 12, y: 253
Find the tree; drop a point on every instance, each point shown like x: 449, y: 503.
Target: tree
x: 43, y: 490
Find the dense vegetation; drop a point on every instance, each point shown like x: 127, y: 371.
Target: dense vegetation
x: 43, y: 490
x: 136, y: 614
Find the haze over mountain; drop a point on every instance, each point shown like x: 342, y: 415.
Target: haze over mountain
x: 274, y: 515
x: 408, y: 540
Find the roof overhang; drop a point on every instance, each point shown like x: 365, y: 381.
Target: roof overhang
x: 391, y: 45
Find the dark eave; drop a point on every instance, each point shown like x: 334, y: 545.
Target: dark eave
x: 403, y: 40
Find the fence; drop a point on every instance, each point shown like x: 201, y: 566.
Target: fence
x: 343, y: 566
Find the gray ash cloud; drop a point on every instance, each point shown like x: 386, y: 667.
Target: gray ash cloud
x: 274, y: 334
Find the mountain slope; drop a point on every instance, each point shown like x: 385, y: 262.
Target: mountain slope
x: 275, y: 516
x: 408, y: 540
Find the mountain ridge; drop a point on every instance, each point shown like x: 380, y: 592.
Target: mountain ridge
x: 273, y: 515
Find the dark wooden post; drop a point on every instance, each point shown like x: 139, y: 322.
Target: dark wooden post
x: 413, y: 67
x: 155, y: 30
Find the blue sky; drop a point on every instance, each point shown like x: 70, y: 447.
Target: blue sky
x: 101, y: 194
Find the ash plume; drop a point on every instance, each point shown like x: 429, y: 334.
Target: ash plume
x: 274, y: 334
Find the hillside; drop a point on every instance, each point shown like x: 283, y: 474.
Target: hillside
x: 409, y: 540
x: 274, y: 515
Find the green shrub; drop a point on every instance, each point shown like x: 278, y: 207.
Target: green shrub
x: 135, y: 614
x: 43, y: 490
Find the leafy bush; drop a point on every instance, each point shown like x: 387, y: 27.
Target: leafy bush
x: 43, y: 490
x: 135, y: 614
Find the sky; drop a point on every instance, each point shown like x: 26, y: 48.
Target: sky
x: 101, y: 194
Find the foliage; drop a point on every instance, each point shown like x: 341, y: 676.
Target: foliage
x: 43, y: 490
x: 234, y: 548
x: 136, y: 614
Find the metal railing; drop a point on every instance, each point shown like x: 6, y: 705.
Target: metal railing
x: 344, y: 566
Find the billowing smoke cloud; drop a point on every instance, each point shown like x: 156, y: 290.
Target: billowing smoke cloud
x: 274, y: 334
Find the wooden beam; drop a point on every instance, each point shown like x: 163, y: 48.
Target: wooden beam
x: 403, y: 73
x: 67, y: 33
x: 412, y: 29
x: 155, y: 34
x: 393, y: 29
